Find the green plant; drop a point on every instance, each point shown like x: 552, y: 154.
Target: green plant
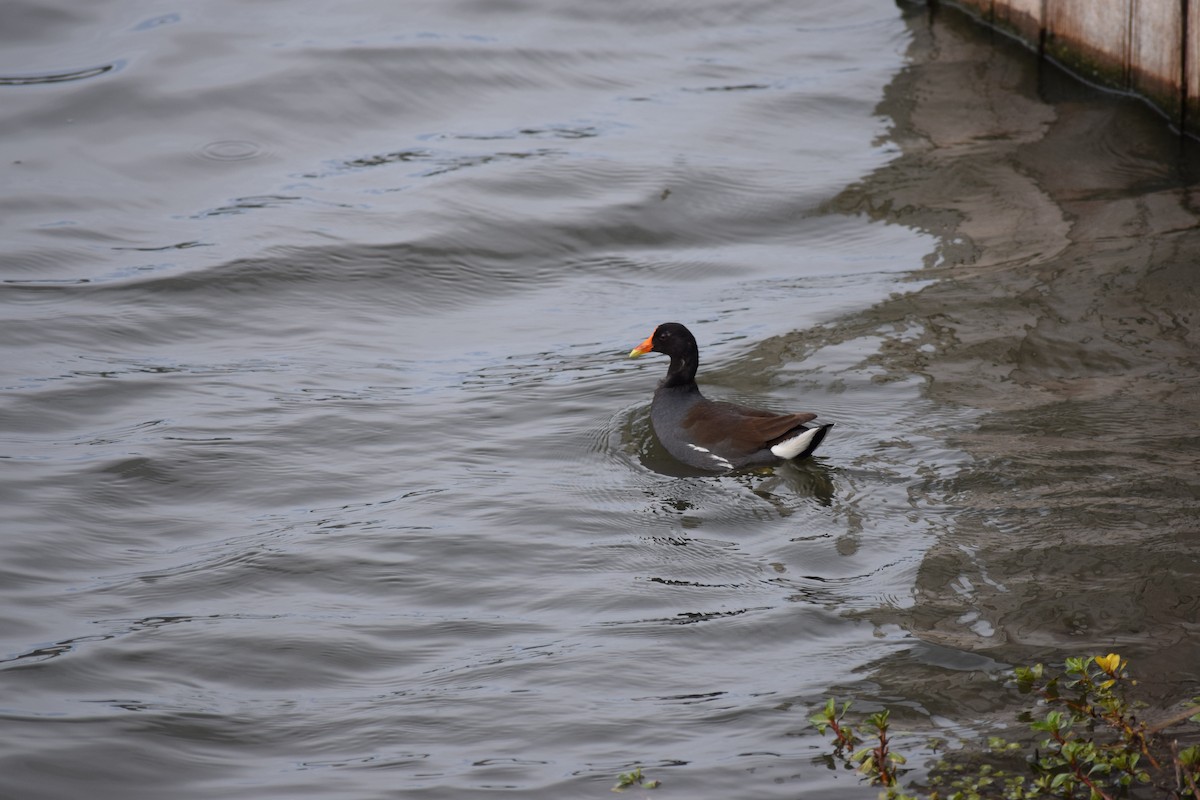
x: 878, y: 763
x: 1089, y: 744
x: 627, y: 780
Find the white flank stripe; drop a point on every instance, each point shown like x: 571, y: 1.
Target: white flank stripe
x: 720, y: 461
x: 795, y: 446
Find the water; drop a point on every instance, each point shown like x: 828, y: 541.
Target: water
x: 325, y: 474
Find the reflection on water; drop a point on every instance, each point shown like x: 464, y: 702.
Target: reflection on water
x: 325, y: 474
x: 1065, y: 311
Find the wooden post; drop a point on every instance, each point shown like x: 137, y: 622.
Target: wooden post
x: 1150, y: 47
x: 1190, y: 90
x: 1025, y: 18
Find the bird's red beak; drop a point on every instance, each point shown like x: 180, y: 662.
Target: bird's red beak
x: 643, y: 348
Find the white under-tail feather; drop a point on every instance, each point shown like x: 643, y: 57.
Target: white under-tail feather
x: 790, y: 448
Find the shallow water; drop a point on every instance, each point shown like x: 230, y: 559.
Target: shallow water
x: 325, y: 474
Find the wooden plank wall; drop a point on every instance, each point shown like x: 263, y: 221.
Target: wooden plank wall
x: 1151, y: 47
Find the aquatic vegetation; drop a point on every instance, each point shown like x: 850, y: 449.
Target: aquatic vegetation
x: 878, y: 763
x: 627, y: 780
x: 1088, y: 743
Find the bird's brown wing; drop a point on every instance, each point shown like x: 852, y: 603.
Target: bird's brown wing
x: 746, y: 430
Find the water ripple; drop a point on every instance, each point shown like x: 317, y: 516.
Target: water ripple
x: 60, y: 77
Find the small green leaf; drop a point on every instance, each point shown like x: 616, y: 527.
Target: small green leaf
x: 1059, y: 780
x: 1076, y: 666
x: 1026, y: 677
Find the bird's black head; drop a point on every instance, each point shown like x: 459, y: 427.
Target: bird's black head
x: 670, y: 338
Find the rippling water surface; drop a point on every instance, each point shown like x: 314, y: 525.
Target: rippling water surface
x: 324, y: 473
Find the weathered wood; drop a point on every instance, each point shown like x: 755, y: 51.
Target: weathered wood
x: 1151, y: 47
x: 1022, y: 17
x: 1091, y: 37
x: 1156, y: 68
x: 1191, y: 69
x: 981, y: 7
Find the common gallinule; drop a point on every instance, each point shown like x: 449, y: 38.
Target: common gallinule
x: 715, y: 435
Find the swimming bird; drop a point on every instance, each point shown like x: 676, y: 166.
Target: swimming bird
x: 716, y: 435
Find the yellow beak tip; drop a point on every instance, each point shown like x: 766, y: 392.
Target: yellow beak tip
x: 643, y: 348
